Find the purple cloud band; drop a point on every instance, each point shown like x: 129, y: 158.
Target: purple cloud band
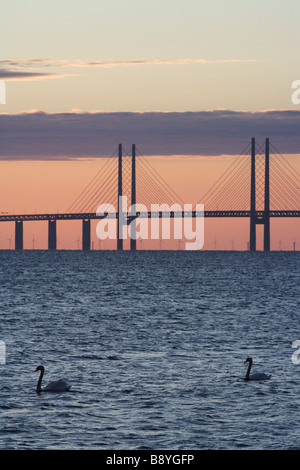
x: 19, y: 75
x: 39, y: 135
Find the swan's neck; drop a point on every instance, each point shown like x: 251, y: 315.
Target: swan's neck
x: 39, y: 384
x: 248, y: 371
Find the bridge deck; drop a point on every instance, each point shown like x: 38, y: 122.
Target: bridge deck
x: 93, y: 215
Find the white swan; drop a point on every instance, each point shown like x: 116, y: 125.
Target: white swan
x: 58, y: 386
x: 257, y: 375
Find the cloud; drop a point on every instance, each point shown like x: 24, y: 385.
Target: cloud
x: 120, y: 63
x: 16, y: 75
x: 32, y: 62
x: 42, y: 136
x: 32, y: 69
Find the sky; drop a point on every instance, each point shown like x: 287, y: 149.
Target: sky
x: 190, y: 82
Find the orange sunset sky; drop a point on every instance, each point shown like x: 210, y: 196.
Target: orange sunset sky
x: 49, y: 187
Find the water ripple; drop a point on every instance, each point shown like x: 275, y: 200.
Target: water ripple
x: 154, y: 344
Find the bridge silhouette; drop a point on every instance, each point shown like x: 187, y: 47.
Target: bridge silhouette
x: 260, y: 184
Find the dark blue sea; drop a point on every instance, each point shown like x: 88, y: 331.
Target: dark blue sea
x: 154, y: 344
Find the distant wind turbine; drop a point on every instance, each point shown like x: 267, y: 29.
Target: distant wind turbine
x: 33, y: 241
x: 9, y: 242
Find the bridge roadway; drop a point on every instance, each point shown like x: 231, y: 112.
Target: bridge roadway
x: 161, y: 214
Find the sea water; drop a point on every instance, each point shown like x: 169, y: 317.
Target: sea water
x: 154, y: 344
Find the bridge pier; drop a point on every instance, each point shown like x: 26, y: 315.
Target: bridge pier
x: 51, y: 234
x: 19, y: 235
x: 86, y: 234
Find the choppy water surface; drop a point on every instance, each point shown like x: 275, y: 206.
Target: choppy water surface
x: 154, y: 344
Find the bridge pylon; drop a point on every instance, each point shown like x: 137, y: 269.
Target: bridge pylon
x: 120, y: 190
x: 254, y: 218
x: 133, y: 198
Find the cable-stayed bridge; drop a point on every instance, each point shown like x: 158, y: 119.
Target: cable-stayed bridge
x: 260, y: 184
